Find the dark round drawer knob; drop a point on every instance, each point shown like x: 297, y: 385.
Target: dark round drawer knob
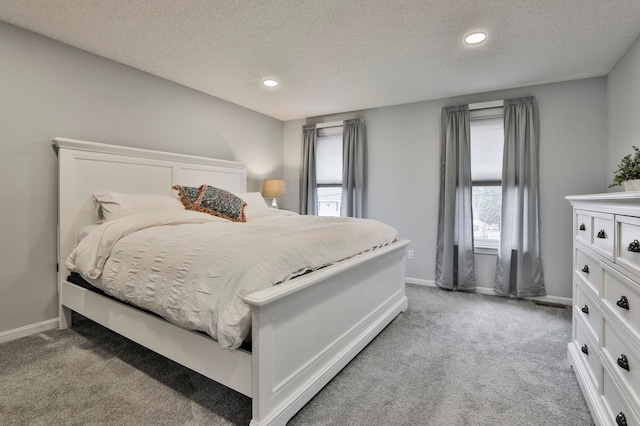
x: 623, y: 362
x: 601, y: 234
x: 634, y: 246
x: 585, y: 350
x: 585, y: 269
x: 621, y: 420
x: 585, y: 309
x: 623, y: 302
x: 582, y: 227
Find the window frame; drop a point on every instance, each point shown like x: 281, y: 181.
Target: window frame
x: 481, y: 111
x: 329, y: 129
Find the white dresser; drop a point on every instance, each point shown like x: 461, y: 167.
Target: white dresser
x: 605, y: 346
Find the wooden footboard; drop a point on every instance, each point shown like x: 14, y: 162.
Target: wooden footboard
x: 305, y: 331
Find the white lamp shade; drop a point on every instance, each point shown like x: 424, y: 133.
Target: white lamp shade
x: 273, y: 188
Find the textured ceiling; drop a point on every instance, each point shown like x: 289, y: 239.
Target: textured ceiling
x: 333, y: 56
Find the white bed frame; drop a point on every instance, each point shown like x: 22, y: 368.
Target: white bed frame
x: 304, y: 331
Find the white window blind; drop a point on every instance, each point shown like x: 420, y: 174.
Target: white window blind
x: 487, y: 141
x: 329, y: 156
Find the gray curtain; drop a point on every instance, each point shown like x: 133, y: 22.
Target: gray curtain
x: 308, y: 187
x: 455, y: 265
x: 519, y: 264
x: 352, y: 168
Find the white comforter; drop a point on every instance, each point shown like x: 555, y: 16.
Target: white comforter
x: 194, y: 269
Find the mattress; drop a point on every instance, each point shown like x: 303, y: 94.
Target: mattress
x: 194, y: 269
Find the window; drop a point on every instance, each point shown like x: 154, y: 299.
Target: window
x: 487, y: 141
x: 329, y: 170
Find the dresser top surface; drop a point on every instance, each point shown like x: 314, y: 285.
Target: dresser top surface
x: 627, y: 199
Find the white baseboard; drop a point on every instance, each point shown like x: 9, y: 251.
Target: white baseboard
x: 486, y: 290
x: 27, y: 330
x: 418, y: 281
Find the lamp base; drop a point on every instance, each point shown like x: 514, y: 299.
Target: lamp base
x: 274, y: 204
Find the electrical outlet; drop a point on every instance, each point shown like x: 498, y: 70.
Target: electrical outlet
x: 410, y: 254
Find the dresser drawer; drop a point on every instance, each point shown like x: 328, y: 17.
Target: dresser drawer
x: 623, y: 358
x: 589, y: 269
x: 589, y: 311
x: 583, y: 226
x: 615, y: 405
x: 589, y: 352
x: 596, y: 230
x: 602, y: 240
x: 621, y: 296
x: 628, y: 244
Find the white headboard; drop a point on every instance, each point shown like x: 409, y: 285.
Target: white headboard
x: 88, y: 167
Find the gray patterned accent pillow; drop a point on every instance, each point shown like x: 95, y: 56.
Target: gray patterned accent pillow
x: 187, y: 194
x: 219, y: 202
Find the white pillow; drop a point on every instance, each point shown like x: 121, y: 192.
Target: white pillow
x: 254, y: 200
x: 114, y: 205
x: 255, y: 204
x: 85, y: 231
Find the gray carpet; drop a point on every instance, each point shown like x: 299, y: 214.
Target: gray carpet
x: 451, y: 359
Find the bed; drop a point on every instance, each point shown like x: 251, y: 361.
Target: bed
x: 303, y: 331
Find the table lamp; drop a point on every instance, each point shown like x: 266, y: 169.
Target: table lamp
x: 273, y: 188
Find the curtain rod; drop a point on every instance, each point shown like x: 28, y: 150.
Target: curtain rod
x: 486, y: 105
x: 329, y: 124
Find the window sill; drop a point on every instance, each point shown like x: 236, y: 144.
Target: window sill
x: 486, y: 250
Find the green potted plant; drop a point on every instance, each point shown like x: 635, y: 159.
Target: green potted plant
x: 628, y: 172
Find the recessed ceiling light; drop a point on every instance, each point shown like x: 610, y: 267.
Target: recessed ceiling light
x: 270, y: 83
x: 475, y: 38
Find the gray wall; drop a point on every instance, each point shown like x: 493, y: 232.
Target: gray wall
x: 49, y: 89
x: 623, y: 109
x: 403, y: 169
